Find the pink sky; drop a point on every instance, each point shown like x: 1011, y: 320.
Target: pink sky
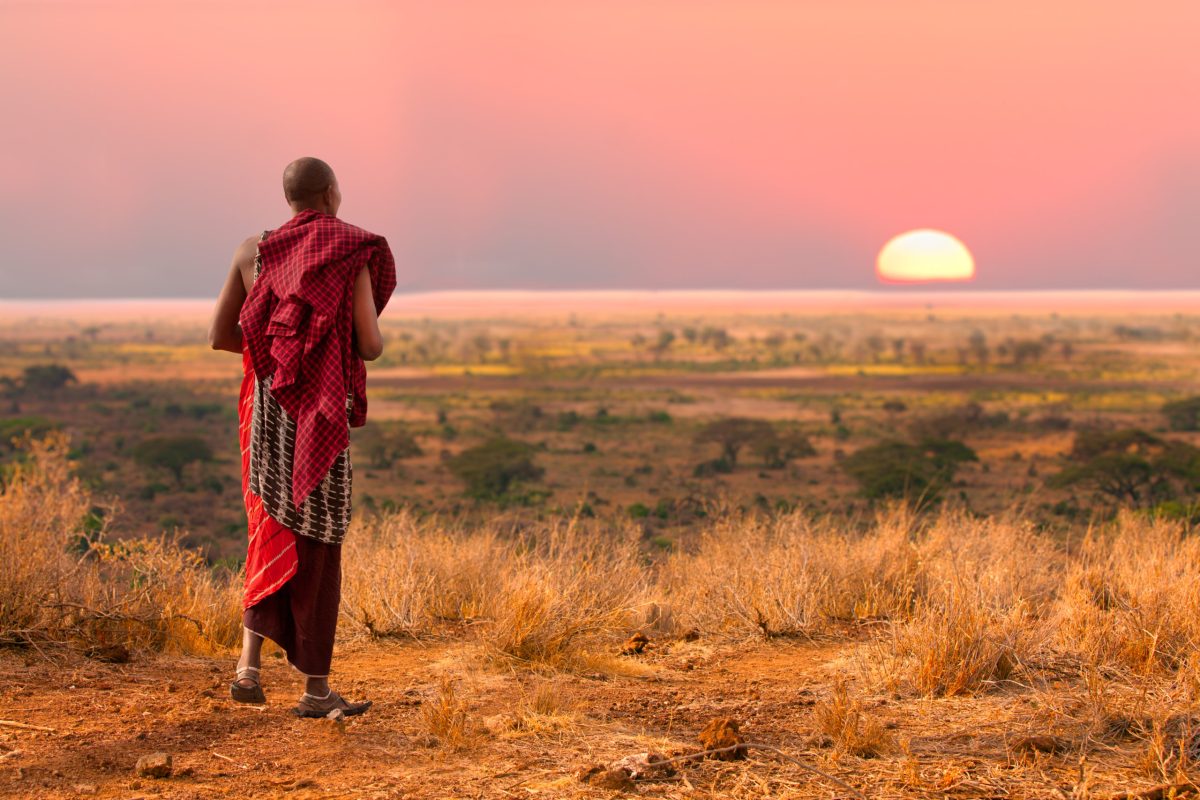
x: 605, y: 144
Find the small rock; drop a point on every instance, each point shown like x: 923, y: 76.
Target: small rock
x: 85, y: 788
x: 154, y: 765
x: 723, y: 732
x: 690, y: 635
x: 635, y: 644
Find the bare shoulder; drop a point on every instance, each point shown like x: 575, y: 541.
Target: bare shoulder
x: 246, y: 250
x: 243, y: 259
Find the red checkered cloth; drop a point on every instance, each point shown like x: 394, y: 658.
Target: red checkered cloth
x: 298, y: 327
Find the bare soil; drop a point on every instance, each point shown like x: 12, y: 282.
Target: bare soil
x: 88, y: 723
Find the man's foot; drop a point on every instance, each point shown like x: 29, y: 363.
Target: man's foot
x: 247, y: 689
x: 314, y: 707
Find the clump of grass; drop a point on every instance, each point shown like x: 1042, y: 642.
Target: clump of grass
x: 849, y: 727
x: 1131, y: 597
x: 61, y: 582
x: 542, y: 597
x: 447, y: 718
x: 792, y: 575
x: 955, y: 645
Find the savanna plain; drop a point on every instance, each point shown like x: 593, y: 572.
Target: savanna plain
x: 671, y: 545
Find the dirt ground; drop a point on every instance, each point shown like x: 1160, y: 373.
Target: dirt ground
x: 75, y: 727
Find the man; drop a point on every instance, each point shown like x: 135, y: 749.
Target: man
x: 301, y: 304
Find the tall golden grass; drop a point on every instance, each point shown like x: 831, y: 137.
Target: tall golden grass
x: 58, y: 585
x: 947, y: 604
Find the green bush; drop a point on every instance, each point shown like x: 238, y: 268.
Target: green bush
x: 172, y: 453
x: 491, y: 469
x: 1131, y: 466
x: 917, y: 472
x: 46, y: 378
x: 1183, y: 415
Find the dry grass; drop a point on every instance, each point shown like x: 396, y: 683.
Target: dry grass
x: 1131, y: 599
x: 957, y: 604
x: 448, y: 719
x: 850, y: 727
x: 540, y: 597
x: 57, y: 586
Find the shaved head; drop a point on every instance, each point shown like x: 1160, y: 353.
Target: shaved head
x: 306, y: 180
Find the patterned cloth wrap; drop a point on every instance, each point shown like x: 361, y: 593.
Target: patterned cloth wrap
x: 303, y: 387
x: 298, y: 328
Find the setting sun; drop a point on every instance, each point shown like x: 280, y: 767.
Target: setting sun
x: 922, y: 256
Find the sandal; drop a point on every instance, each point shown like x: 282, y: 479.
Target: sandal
x: 247, y: 694
x: 313, y: 707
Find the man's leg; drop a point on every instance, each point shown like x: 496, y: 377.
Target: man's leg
x: 251, y: 655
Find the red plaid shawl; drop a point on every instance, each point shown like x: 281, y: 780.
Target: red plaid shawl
x: 298, y: 326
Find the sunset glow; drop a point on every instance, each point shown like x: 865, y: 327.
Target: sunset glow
x: 924, y: 256
x: 597, y: 145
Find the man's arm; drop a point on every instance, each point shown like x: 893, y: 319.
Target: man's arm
x: 367, y: 338
x: 224, y: 333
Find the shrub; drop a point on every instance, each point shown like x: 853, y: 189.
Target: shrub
x: 491, y: 469
x: 172, y: 453
x: 734, y: 433
x: 15, y: 427
x: 902, y: 470
x: 1130, y: 466
x: 777, y: 451
x: 385, y: 445
x: 46, y: 378
x: 1183, y: 415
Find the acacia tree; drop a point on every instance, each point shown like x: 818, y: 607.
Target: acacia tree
x: 734, y: 433
x: 172, y: 453
x: 491, y: 469
x: 905, y: 470
x: 1131, y: 467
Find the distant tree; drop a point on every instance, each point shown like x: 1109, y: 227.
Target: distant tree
x: 958, y: 422
x: 491, y: 469
x: 385, y: 447
x: 979, y: 346
x: 716, y: 338
x: 734, y: 433
x: 917, y: 472
x: 46, y: 378
x: 1183, y: 415
x: 875, y: 346
x: 1131, y: 467
x: 894, y: 406
x: 778, y: 450
x: 172, y: 453
x: 663, y: 343
x: 1028, y: 351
